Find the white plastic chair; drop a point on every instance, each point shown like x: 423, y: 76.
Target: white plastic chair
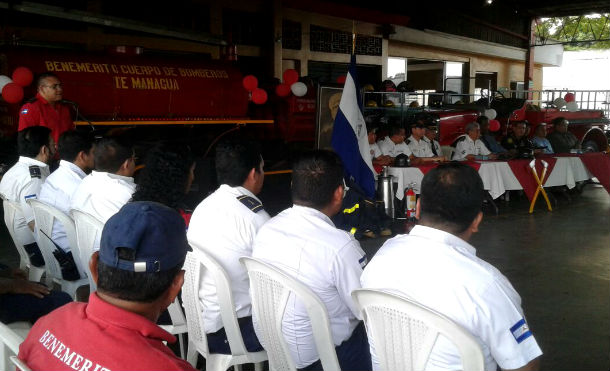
x: 45, y: 215
x: 404, y: 332
x: 11, y: 339
x: 88, y: 232
x: 271, y: 288
x: 447, y: 151
x: 196, y: 263
x: 10, y: 209
x: 178, y: 326
x: 21, y: 366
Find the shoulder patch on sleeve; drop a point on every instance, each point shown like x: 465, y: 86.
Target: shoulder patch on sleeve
x: 24, y: 111
x: 251, y: 203
x: 520, y: 331
x: 35, y: 172
x: 363, y: 261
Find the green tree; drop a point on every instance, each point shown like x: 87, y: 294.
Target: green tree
x: 576, y: 32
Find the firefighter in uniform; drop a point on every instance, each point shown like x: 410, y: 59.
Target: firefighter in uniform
x: 24, y: 180
x: 470, y: 147
x: 224, y: 225
x: 420, y: 147
x: 47, y: 109
x: 435, y: 147
x: 517, y: 140
x: 435, y: 266
x: 304, y: 242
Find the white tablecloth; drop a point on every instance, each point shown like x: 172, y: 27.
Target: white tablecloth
x: 498, y: 177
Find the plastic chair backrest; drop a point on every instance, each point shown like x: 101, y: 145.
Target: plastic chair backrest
x: 196, y: 263
x: 45, y: 216
x: 404, y: 332
x: 10, y: 209
x: 88, y: 232
x: 21, y: 366
x: 447, y: 151
x: 271, y: 288
x: 10, y: 339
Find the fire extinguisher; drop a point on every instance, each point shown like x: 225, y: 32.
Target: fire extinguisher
x: 410, y: 202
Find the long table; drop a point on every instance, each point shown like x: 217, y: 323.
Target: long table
x: 498, y: 177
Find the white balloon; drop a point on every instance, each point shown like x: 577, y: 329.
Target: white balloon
x: 491, y: 113
x: 572, y: 106
x: 4, y: 80
x: 560, y: 102
x: 299, y: 89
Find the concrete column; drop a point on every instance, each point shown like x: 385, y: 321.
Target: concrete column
x: 278, y: 16
x: 528, y: 77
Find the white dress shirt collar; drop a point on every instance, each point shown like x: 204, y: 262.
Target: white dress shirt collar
x: 442, y: 237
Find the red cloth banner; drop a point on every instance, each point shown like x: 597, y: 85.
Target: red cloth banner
x: 427, y: 167
x: 598, y: 164
x: 523, y: 173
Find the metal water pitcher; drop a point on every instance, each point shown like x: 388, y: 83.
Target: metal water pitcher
x: 385, y: 192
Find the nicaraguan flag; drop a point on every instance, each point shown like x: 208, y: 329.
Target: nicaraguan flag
x: 349, y: 138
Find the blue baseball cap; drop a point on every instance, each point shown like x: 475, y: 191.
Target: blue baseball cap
x: 155, y: 234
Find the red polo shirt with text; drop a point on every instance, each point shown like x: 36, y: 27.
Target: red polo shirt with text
x: 40, y: 113
x: 98, y: 336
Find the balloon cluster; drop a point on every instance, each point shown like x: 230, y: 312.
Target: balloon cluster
x: 12, y: 89
x: 291, y: 84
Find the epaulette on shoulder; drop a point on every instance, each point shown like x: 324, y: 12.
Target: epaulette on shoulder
x: 251, y: 203
x: 462, y: 139
x: 35, y: 172
x: 408, y: 141
x: 31, y: 100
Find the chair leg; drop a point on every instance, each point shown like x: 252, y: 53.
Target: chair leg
x: 35, y: 273
x: 237, y: 367
x: 259, y: 366
x: 191, y: 354
x: 181, y: 344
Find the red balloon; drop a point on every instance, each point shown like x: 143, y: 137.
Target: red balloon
x: 341, y: 79
x: 259, y: 96
x: 569, y: 97
x: 290, y: 76
x: 23, y: 76
x: 282, y: 90
x: 494, y: 125
x: 12, y: 93
x: 250, y: 82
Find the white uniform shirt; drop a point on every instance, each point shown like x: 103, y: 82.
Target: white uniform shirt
x: 375, y: 150
x: 467, y: 146
x: 392, y: 149
x: 57, y: 191
x: 437, y: 146
x: 305, y: 244
x: 420, y: 148
x: 102, y: 194
x: 225, y: 228
x: 442, y: 272
x: 20, y: 183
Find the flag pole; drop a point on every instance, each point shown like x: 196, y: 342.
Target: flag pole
x: 353, y: 37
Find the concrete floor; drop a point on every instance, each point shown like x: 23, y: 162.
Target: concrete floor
x: 558, y: 261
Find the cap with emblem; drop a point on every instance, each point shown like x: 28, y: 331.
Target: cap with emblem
x: 155, y: 234
x: 432, y: 127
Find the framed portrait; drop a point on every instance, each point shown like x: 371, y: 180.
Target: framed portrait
x: 327, y: 105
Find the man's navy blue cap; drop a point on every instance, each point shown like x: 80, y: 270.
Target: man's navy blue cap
x: 155, y: 233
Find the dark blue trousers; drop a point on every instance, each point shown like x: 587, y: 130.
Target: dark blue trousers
x: 353, y: 354
x: 25, y: 307
x: 218, y: 343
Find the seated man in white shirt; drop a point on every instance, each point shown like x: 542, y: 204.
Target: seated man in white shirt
x: 431, y: 133
x: 224, y: 225
x: 379, y: 159
x: 470, y: 147
x: 394, y: 144
x: 436, y: 266
x: 419, y: 146
x: 110, y: 186
x: 76, y: 154
x: 303, y: 242
x: 21, y: 182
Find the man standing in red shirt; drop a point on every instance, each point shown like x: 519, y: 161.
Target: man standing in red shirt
x: 138, y: 272
x: 46, y: 109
